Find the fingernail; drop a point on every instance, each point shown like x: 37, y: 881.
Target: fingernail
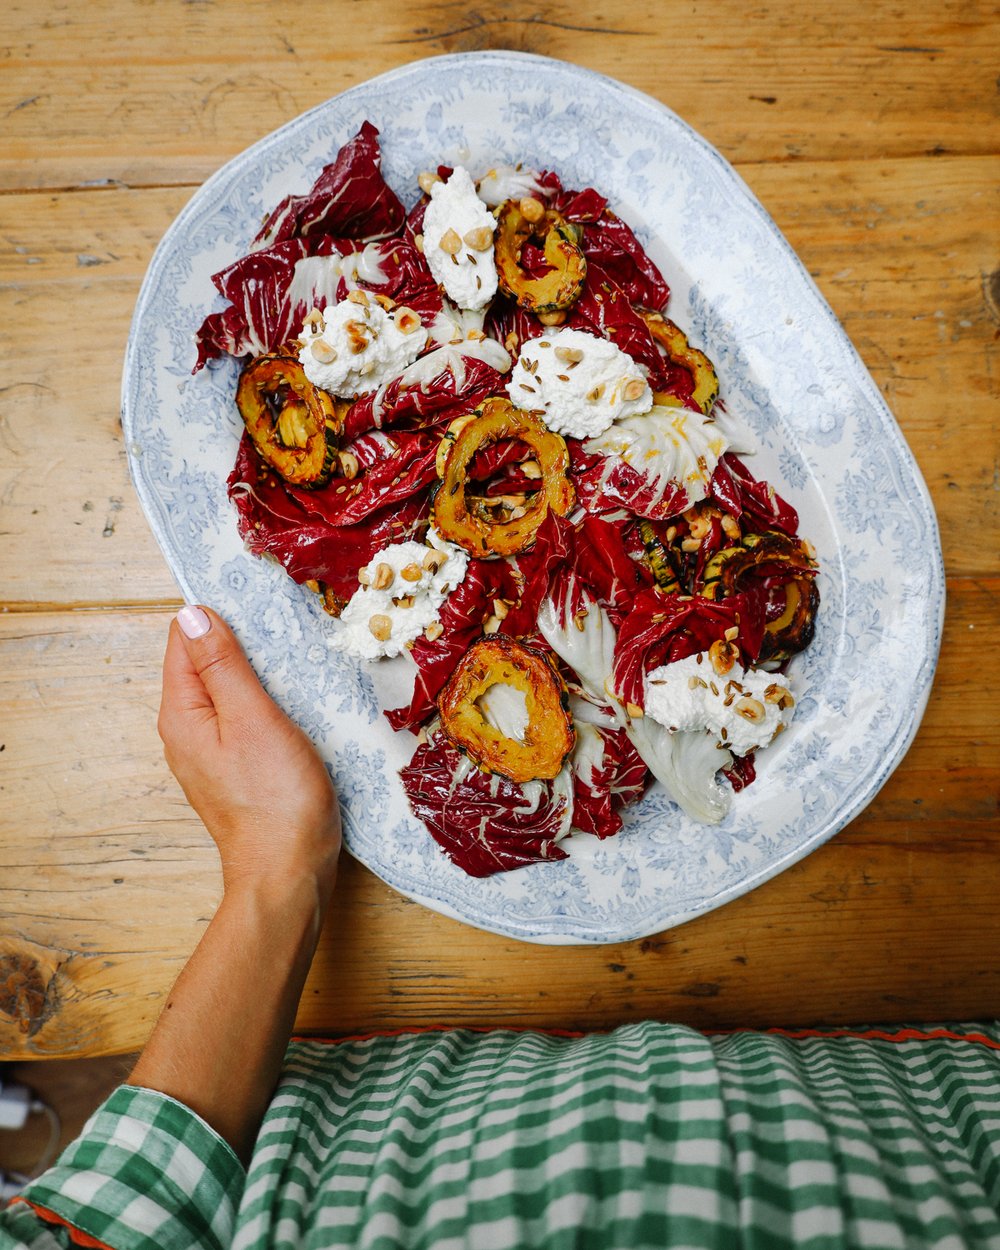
x: 193, y: 621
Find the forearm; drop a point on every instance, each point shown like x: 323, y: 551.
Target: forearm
x: 220, y: 1039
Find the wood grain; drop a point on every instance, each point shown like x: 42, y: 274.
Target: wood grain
x: 108, y: 880
x: 166, y: 93
x: 870, y: 134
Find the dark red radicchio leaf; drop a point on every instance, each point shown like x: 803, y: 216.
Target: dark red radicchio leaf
x: 601, y: 558
x: 462, y: 615
x: 485, y: 823
x: 660, y: 629
x: 610, y: 243
x: 742, y: 772
x: 607, y: 483
x: 434, y: 403
x: 271, y: 291
x: 272, y: 523
x: 735, y: 488
x: 349, y: 199
x: 608, y: 773
x: 391, y: 470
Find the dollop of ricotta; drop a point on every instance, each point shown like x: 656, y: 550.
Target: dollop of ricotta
x: 356, y: 346
x: 458, y: 241
x: 578, y: 382
x: 400, y: 594
x: 666, y: 445
x: 743, y: 709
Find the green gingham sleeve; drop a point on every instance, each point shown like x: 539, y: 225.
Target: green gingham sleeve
x: 146, y: 1173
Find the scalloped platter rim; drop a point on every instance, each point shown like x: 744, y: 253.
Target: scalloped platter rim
x: 826, y: 440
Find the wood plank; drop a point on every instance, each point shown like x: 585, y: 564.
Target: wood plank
x: 899, y: 253
x: 166, y: 94
x: 107, y: 879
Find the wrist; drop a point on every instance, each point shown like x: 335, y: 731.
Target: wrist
x: 292, y: 898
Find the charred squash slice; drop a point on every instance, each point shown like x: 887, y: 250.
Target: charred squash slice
x: 469, y: 524
x: 294, y: 425
x: 556, y: 290
x: 674, y: 342
x: 658, y: 555
x: 548, y: 736
x: 777, y: 555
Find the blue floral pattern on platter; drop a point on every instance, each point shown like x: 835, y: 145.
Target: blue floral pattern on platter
x: 786, y: 367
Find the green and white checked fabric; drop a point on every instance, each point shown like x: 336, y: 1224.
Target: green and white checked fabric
x: 651, y: 1136
x: 145, y: 1174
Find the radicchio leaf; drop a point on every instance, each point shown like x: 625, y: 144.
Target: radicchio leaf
x: 735, y: 488
x: 486, y: 823
x: 663, y: 628
x: 349, y: 199
x: 608, y: 773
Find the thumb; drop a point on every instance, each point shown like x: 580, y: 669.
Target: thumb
x: 216, y: 661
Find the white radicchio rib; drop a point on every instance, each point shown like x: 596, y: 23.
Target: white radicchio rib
x: 685, y: 764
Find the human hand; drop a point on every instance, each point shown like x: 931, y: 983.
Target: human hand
x: 252, y: 776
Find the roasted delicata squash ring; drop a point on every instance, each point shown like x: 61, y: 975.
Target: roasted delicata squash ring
x: 659, y: 559
x: 554, y: 291
x: 548, y: 737
x: 793, y: 630
x: 468, y: 523
x: 674, y: 342
x: 294, y: 425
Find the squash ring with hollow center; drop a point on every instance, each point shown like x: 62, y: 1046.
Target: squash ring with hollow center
x: 548, y: 736
x: 470, y: 526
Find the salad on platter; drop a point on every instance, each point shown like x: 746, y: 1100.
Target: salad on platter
x: 473, y: 430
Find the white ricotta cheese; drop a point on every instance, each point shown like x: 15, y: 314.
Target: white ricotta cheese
x: 744, y: 709
x: 401, y: 591
x: 356, y: 346
x: 666, y: 445
x: 458, y: 241
x: 578, y: 382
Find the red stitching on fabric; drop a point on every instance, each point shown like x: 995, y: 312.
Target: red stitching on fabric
x: 76, y: 1235
x: 881, y: 1035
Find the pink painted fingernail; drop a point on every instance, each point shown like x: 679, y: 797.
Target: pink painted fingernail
x: 193, y: 621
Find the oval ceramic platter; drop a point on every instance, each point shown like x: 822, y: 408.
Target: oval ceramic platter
x: 826, y: 440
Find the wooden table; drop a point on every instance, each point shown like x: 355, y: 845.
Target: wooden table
x: 870, y: 133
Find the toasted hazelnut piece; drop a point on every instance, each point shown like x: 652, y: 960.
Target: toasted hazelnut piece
x: 531, y: 469
x: 690, y: 544
x: 418, y: 243
x: 384, y: 301
x: 412, y: 573
x: 571, y: 355
x: 364, y: 577
x: 635, y: 711
x: 500, y: 608
x: 553, y: 318
x: 406, y: 320
x: 315, y: 321
x: 380, y: 626
x: 349, y: 466
x: 492, y: 624
x: 403, y: 601
x: 433, y: 561
x: 383, y: 576
x: 511, y: 342
x: 480, y: 239
x: 531, y: 209
x: 786, y: 701
x: 774, y: 693
x: 358, y: 297
x: 314, y: 586
x: 634, y: 389
x: 732, y: 633
x: 426, y: 180
x: 322, y: 351
x: 750, y: 709
x: 451, y: 243
x: 723, y: 656
x: 433, y: 631
x: 730, y: 527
